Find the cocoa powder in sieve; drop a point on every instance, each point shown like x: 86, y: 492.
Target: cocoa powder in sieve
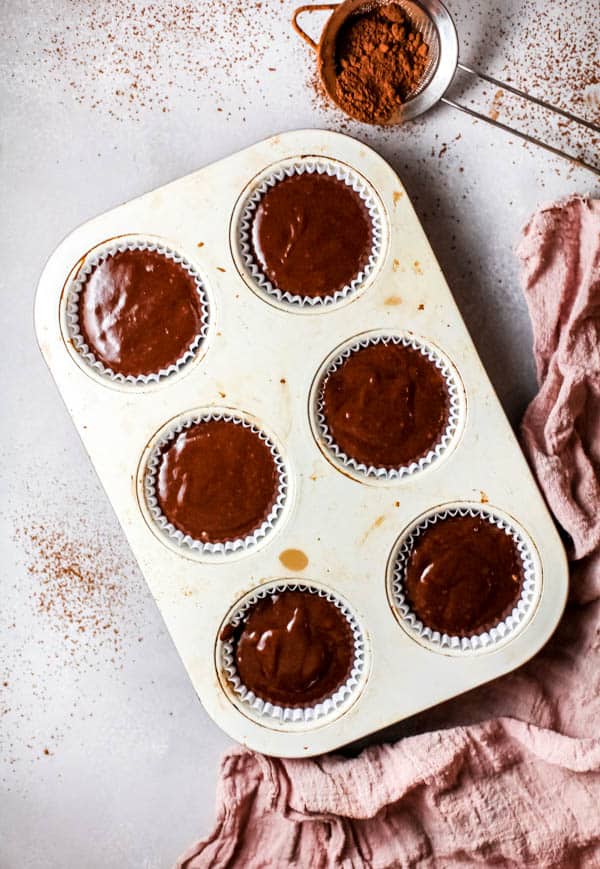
x: 380, y: 60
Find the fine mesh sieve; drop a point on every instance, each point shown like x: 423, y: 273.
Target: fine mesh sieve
x: 433, y: 21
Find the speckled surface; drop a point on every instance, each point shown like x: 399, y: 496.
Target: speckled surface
x: 108, y: 759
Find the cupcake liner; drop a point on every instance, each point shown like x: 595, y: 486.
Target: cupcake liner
x: 72, y: 312
x: 341, y: 698
x: 486, y: 640
x: 185, y: 540
x: 357, y: 468
x: 299, y: 167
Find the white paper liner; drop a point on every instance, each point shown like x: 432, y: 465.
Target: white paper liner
x: 185, y: 540
x: 487, y: 639
x: 304, y: 714
x: 299, y: 167
x: 72, y: 311
x: 387, y: 473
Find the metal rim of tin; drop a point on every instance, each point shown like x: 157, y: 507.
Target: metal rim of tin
x: 303, y: 716
x: 485, y: 641
x: 357, y: 469
x: 185, y: 542
x: 242, y: 247
x: 86, y: 355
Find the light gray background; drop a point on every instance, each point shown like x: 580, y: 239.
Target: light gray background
x: 107, y: 758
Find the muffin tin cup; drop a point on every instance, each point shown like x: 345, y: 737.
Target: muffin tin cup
x: 311, y: 166
x: 268, y: 712
x: 169, y: 531
x: 95, y: 258
x: 359, y: 469
x: 486, y: 640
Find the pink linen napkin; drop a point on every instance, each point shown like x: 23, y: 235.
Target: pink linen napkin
x: 514, y: 779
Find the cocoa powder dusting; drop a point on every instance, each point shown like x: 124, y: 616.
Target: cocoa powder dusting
x: 79, y: 587
x: 75, y: 614
x: 380, y: 60
x: 125, y: 57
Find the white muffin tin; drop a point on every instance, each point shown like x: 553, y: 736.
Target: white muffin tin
x: 261, y: 358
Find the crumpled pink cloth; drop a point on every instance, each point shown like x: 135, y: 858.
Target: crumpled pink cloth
x: 514, y: 778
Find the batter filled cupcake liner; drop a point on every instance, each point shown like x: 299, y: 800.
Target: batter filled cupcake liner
x: 357, y: 468
x: 487, y: 639
x: 185, y: 541
x: 299, y: 167
x: 72, y: 311
x: 338, y: 701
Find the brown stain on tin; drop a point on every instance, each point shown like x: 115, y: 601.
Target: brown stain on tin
x: 417, y: 267
x: 293, y: 559
x: 396, y: 265
x: 398, y: 194
x: 376, y: 524
x: 483, y: 497
x: 393, y: 300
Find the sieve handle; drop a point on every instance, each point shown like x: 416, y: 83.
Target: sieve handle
x: 321, y: 7
x: 532, y: 99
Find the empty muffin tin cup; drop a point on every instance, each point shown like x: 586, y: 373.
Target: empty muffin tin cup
x: 269, y: 713
x: 253, y: 269
x: 174, y: 535
x: 487, y: 640
x: 71, y: 312
x: 358, y: 469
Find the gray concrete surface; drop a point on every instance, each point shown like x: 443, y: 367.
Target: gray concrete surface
x: 107, y: 759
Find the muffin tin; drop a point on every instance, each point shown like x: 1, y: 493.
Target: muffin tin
x: 339, y: 530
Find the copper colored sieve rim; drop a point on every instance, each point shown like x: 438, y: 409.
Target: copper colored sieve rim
x: 433, y: 22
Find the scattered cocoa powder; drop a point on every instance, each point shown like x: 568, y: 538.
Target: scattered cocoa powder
x: 74, y: 616
x: 80, y: 587
x: 126, y: 57
x: 380, y: 60
x: 496, y: 106
x: 557, y: 62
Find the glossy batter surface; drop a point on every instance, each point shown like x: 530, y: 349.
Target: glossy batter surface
x: 217, y: 481
x: 464, y: 576
x: 139, y: 312
x: 386, y: 405
x: 294, y: 649
x: 311, y: 235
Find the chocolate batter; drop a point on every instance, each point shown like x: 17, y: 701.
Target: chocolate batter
x: 217, y: 481
x: 311, y: 235
x: 293, y: 649
x: 386, y: 405
x: 464, y: 576
x: 139, y: 312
